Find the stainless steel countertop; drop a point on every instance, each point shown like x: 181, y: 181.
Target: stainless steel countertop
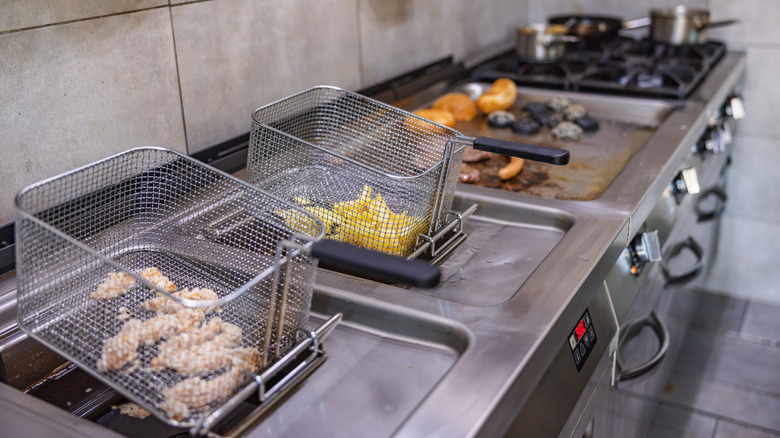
x: 509, y: 343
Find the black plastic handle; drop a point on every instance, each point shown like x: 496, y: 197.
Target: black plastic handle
x: 688, y: 273
x: 526, y: 151
x: 374, y: 265
x: 633, y: 329
x: 715, y: 212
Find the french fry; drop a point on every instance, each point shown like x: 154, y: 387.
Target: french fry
x: 366, y: 222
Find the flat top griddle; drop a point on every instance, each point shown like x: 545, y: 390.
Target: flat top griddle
x: 625, y: 126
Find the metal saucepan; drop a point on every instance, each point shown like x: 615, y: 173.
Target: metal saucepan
x: 541, y: 43
x: 594, y: 27
x: 682, y: 26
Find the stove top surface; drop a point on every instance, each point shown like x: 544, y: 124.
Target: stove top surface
x: 624, y: 65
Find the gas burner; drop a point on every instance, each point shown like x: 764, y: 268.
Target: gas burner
x: 621, y: 66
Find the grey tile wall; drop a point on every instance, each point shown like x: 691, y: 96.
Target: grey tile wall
x: 400, y: 35
x: 397, y: 36
x: 77, y: 92
x: 757, y: 24
x: 256, y: 52
x: 30, y: 13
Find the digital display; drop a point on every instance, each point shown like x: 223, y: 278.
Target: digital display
x: 580, y: 330
x: 582, y: 339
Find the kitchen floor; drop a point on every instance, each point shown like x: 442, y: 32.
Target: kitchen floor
x: 725, y: 381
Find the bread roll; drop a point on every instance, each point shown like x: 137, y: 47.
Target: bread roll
x: 440, y: 116
x: 460, y: 105
x: 500, y: 96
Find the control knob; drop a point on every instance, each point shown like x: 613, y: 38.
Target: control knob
x: 645, y: 248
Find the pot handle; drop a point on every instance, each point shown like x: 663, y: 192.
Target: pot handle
x: 718, y: 24
x: 527, y: 151
x: 636, y: 24
x: 374, y: 265
x: 559, y: 39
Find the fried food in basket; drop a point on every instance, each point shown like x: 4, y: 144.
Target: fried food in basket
x: 154, y: 276
x: 208, y: 353
x: 163, y: 304
x: 366, y: 222
x: 115, y: 284
x: 122, y: 348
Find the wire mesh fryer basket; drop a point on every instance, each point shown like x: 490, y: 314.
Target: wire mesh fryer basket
x: 324, y: 146
x: 201, y: 228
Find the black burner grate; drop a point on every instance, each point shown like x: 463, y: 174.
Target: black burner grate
x: 623, y: 66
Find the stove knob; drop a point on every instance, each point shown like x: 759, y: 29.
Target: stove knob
x: 726, y: 132
x: 645, y: 248
x: 648, y: 248
x: 686, y: 182
x: 715, y: 141
x: 735, y: 107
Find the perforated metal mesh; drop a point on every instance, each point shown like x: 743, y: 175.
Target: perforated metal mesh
x: 153, y: 207
x: 325, y: 145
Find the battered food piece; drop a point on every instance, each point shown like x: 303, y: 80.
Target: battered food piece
x: 205, y: 350
x: 588, y: 124
x: 164, y: 305
x: 557, y: 103
x: 196, y: 393
x: 567, y: 131
x: 154, y: 276
x: 471, y: 155
x: 459, y: 105
x: 115, y: 284
x: 501, y: 119
x: 575, y: 112
x: 122, y: 348
x: 526, y: 127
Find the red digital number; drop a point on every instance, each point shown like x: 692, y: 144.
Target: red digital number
x: 580, y: 330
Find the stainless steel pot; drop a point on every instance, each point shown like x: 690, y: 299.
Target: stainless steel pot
x: 541, y: 43
x: 682, y: 26
x: 596, y: 27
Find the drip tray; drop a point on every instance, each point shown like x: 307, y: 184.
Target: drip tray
x: 506, y: 242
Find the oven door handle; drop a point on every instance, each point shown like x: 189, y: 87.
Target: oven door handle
x: 632, y: 330
x: 720, y: 197
x: 688, y: 273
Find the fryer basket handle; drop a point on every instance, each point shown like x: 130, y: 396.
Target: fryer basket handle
x: 374, y: 265
x: 526, y: 151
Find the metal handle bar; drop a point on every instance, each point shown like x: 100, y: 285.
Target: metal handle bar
x: 688, y: 273
x: 654, y: 322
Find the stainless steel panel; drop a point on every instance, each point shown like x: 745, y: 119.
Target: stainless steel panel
x: 562, y: 387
